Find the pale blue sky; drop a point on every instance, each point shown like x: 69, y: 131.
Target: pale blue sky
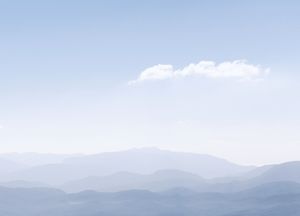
x: 65, y: 68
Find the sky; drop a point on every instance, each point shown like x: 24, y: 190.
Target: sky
x: 211, y: 77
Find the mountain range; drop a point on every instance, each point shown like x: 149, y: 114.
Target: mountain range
x: 138, y: 169
x: 272, y: 199
x: 141, y: 161
x: 149, y: 181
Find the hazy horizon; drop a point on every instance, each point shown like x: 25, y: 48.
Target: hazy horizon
x: 208, y: 77
x: 149, y: 108
x: 150, y: 148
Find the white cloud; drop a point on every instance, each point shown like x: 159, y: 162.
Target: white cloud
x: 238, y: 69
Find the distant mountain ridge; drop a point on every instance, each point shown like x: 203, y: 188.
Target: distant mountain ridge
x: 143, y: 169
x: 289, y: 171
x: 168, y: 179
x: 265, y: 200
x: 141, y: 161
x: 9, y: 166
x: 158, y: 181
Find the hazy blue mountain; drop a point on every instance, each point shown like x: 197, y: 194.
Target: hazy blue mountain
x: 8, y: 166
x: 158, y: 181
x: 272, y: 189
x: 128, y: 170
x: 49, y: 174
x: 257, y: 171
x: 141, y: 161
x: 289, y: 171
x: 286, y: 172
x: 29, y: 202
x: 264, y: 200
x: 149, y: 160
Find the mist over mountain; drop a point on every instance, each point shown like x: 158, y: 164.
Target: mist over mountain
x: 158, y: 181
x: 257, y: 201
x: 168, y: 179
x: 140, y: 161
x: 281, y: 172
x: 149, y: 160
x: 140, y: 169
x: 8, y: 166
x: 286, y: 172
x: 146, y: 181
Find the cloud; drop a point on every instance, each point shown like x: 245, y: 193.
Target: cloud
x: 239, y: 69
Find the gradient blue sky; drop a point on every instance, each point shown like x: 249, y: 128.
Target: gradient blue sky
x: 65, y: 67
